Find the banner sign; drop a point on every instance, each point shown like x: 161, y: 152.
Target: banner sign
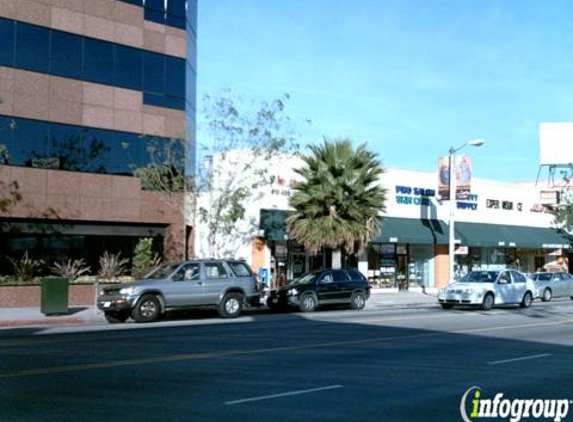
x: 463, y: 174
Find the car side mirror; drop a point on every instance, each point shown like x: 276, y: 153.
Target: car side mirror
x: 177, y: 277
x: 502, y: 281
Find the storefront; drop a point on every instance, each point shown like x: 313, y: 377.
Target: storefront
x: 496, y: 225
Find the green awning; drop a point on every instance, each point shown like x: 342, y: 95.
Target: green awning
x: 273, y: 224
x: 394, y: 229
x: 480, y: 234
x: 426, y: 231
x: 412, y: 230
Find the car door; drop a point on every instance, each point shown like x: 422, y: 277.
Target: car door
x: 559, y: 285
x: 343, y: 286
x: 568, y: 283
x: 519, y: 287
x: 505, y: 289
x: 216, y: 279
x: 185, y: 287
x: 326, y: 288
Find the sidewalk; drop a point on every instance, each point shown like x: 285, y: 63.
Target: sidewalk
x: 404, y: 299
x: 23, y: 317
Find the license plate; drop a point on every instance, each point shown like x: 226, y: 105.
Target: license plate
x: 106, y: 304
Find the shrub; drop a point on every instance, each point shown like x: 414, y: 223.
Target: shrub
x: 144, y: 259
x: 112, y: 265
x: 70, y: 269
x: 25, y: 268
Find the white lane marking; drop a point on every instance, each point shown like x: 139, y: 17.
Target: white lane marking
x: 498, y: 362
x: 289, y: 393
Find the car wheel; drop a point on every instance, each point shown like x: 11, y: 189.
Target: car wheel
x: 231, y: 305
x: 526, y: 301
x: 146, y: 309
x: 307, y: 302
x: 447, y: 305
x: 115, y: 317
x: 547, y: 295
x: 357, y: 300
x: 487, y: 302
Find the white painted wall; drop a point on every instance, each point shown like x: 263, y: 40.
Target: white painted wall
x: 276, y: 194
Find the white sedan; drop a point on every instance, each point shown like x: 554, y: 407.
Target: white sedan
x: 488, y: 288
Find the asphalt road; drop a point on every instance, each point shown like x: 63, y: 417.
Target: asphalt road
x: 371, y: 365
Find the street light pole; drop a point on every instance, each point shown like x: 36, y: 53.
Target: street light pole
x: 453, y: 201
x: 451, y: 242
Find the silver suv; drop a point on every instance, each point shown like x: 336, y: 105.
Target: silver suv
x: 227, y: 285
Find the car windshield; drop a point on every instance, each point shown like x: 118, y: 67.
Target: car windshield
x: 542, y: 276
x: 163, y: 271
x: 480, y: 277
x: 305, y: 279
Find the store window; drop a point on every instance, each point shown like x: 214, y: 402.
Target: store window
x: 420, y: 266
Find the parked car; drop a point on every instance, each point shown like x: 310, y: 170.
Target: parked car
x: 553, y: 284
x: 488, y: 288
x: 318, y: 288
x: 226, y: 285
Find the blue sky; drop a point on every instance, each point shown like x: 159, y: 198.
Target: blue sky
x: 409, y: 77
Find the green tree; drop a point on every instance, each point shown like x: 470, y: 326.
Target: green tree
x: 564, y: 213
x: 338, y: 202
x: 238, y: 142
x: 165, y: 171
x: 143, y: 257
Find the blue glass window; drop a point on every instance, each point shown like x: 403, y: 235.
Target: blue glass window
x: 32, y: 47
x: 175, y: 80
x: 154, y: 99
x: 128, y: 67
x: 153, y: 72
x: 36, y: 143
x: 176, y: 13
x: 135, y: 2
x: 7, y: 43
x: 98, y: 61
x: 191, y: 86
x: 66, y: 55
x: 97, y: 146
x: 67, y: 144
x: 155, y: 11
x: 126, y: 154
x: 192, y: 15
x: 30, y: 145
x: 5, y: 140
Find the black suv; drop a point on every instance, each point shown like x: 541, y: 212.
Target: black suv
x: 321, y: 288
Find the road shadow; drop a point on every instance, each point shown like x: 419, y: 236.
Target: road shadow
x: 387, y: 371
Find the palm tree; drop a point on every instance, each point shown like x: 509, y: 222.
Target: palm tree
x: 338, y: 202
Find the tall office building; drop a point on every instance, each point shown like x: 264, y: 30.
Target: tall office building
x: 91, y: 91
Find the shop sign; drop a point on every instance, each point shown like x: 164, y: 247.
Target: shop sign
x: 555, y: 246
x: 407, y: 195
x: 280, y: 186
x: 470, y: 204
x: 505, y: 205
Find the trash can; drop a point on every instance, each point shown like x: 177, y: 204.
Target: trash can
x: 54, y: 298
